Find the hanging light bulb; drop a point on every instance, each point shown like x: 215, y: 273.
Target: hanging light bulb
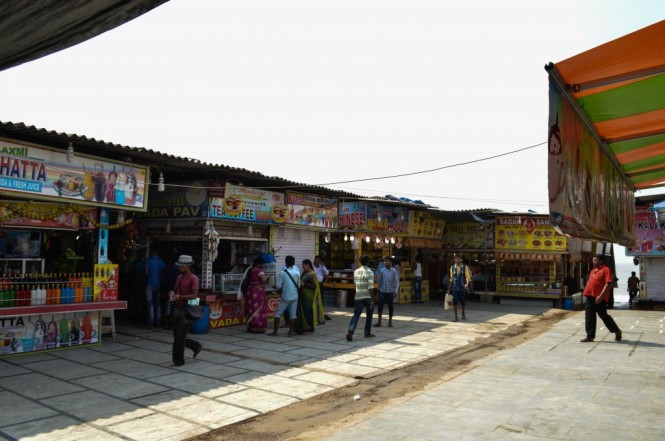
x: 346, y: 237
x: 378, y: 239
x: 327, y: 238
x: 386, y: 240
x: 378, y: 217
x: 70, y: 152
x: 367, y: 239
x: 352, y: 237
x: 160, y: 182
x: 392, y: 240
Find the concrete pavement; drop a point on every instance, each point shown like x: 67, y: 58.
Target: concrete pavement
x: 552, y: 387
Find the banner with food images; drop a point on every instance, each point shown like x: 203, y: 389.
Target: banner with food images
x: 533, y: 233
x: 249, y: 205
x: 38, y: 172
x: 310, y: 210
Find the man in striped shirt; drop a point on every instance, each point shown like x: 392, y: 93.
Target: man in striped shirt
x: 388, y: 288
x: 365, y: 298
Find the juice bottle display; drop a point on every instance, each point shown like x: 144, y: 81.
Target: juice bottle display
x: 74, y: 331
x: 86, y: 329
x: 63, y: 327
x: 52, y: 334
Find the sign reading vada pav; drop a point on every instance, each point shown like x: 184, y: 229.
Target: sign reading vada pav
x: 250, y: 205
x: 534, y: 233
x: 37, y: 172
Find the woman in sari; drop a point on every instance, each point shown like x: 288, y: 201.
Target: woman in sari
x: 310, y: 302
x: 255, y: 300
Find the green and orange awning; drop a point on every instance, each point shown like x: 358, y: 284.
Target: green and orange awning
x: 618, y: 90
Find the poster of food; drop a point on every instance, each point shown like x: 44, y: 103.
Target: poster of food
x: 38, y: 172
x: 223, y: 314
x: 650, y: 233
x: 249, y: 204
x: 468, y: 235
x: 387, y: 218
x: 533, y: 233
x: 311, y: 210
x: 105, y: 284
x: 425, y: 224
x: 35, y: 333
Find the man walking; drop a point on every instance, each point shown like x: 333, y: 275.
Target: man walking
x: 288, y: 282
x: 154, y: 268
x: 365, y: 298
x: 460, y: 277
x: 186, y: 288
x: 633, y: 287
x: 596, y: 293
x: 388, y: 288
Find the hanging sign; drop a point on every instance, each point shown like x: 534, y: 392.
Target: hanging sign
x: 249, y: 205
x: 38, y: 172
x: 533, y: 233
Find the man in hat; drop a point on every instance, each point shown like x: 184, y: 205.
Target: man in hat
x: 186, y: 288
x: 460, y: 277
x: 597, y: 293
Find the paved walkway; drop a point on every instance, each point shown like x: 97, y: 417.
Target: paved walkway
x: 550, y: 388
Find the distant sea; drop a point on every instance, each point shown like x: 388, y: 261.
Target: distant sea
x: 623, y: 270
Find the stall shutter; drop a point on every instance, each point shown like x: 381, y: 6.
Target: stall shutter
x: 655, y: 278
x: 300, y: 244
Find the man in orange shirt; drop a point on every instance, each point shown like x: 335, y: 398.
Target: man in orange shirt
x: 597, y: 292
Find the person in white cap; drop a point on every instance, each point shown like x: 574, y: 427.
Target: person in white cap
x: 186, y: 288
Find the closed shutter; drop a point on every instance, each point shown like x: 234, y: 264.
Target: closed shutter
x: 298, y: 243
x: 655, y: 278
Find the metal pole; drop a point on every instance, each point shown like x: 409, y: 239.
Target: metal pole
x: 485, y: 242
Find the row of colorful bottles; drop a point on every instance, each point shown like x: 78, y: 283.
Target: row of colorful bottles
x: 76, y: 288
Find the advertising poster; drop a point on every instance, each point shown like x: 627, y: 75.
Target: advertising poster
x: 224, y: 314
x: 532, y: 233
x: 37, y: 172
x: 588, y: 197
x: 311, y: 211
x: 468, y: 235
x: 352, y: 214
x: 386, y: 218
x: 47, y: 216
x: 425, y: 224
x: 650, y: 233
x: 105, y: 283
x: 250, y: 205
x: 34, y: 333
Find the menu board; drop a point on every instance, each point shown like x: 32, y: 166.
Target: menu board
x: 468, y: 235
x: 533, y: 233
x: 425, y: 224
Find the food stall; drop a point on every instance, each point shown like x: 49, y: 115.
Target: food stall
x: 530, y: 257
x: 56, y: 281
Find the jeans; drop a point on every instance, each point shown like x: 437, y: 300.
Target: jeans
x: 386, y: 297
x: 591, y: 308
x: 357, y: 310
x: 418, y: 287
x: 154, y: 305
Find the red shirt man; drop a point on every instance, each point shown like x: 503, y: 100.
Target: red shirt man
x: 599, y: 283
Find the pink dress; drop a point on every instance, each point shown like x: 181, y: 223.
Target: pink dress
x: 255, y: 309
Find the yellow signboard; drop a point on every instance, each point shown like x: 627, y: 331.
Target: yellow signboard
x: 532, y: 233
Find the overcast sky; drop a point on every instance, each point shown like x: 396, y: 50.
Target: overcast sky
x: 322, y: 91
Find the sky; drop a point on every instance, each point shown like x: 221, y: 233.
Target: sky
x: 323, y: 91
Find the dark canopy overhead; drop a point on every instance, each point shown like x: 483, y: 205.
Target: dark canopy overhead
x: 31, y: 29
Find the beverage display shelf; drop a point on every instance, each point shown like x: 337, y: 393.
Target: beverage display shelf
x: 69, y: 307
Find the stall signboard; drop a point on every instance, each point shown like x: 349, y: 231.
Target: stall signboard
x: 37, y: 172
x: 249, y: 205
x: 65, y: 219
x: 650, y: 233
x: 310, y: 210
x: 531, y: 233
x: 181, y: 201
x: 223, y: 315
x: 352, y: 214
x: 425, y: 224
x: 468, y: 235
x: 37, y: 333
x: 387, y: 219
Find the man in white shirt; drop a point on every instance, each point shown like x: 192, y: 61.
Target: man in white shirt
x: 320, y: 269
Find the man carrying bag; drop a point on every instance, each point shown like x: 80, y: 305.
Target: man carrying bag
x: 186, y: 289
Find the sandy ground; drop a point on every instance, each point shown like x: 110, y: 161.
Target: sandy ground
x: 323, y: 415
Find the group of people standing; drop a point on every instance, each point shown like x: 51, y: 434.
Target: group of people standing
x: 301, y: 302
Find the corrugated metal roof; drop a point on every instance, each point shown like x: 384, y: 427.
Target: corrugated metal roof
x: 166, y: 162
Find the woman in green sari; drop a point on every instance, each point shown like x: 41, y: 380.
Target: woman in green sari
x: 310, y: 302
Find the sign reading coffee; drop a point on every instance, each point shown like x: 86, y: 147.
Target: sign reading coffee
x: 250, y: 205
